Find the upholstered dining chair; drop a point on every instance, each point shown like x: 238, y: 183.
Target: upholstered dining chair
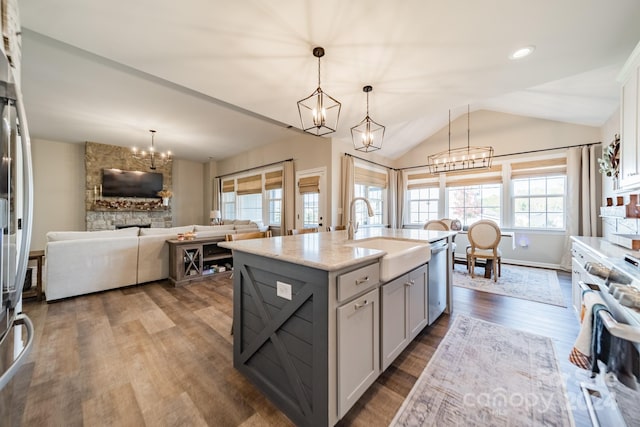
x: 336, y: 227
x: 443, y: 225
x: 436, y: 224
x: 484, y: 237
x: 294, y: 231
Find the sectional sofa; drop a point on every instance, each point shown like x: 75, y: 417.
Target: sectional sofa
x: 82, y: 262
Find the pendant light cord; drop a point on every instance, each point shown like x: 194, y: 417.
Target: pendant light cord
x: 468, y: 130
x: 318, y: 72
x: 449, y: 132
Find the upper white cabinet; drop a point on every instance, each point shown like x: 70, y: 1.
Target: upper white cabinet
x: 630, y: 121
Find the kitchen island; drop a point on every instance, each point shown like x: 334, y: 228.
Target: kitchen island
x: 314, y: 324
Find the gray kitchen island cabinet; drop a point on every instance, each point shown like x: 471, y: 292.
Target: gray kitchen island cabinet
x: 405, y: 312
x: 307, y: 320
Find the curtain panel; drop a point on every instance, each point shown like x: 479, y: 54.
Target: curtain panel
x: 348, y: 183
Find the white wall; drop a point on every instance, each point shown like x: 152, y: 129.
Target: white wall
x: 188, y: 193
x: 59, y: 182
x: 506, y: 133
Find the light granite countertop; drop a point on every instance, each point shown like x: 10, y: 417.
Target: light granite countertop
x: 327, y: 250
x: 611, y: 254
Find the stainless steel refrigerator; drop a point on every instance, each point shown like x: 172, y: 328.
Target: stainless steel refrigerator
x: 16, y: 195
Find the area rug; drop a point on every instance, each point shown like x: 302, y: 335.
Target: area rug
x: 534, y: 284
x: 483, y: 374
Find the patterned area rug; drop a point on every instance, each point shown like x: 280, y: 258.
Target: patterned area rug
x: 489, y: 375
x: 534, y: 284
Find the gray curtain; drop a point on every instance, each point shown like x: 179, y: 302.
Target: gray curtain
x: 392, y: 197
x: 583, y: 197
x: 288, y: 196
x: 348, y: 183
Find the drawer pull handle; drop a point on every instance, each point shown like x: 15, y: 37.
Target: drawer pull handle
x: 362, y: 280
x: 364, y: 304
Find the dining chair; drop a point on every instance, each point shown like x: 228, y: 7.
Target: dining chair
x: 443, y: 225
x: 484, y: 238
x: 246, y: 236
x: 294, y: 231
x: 436, y: 224
x: 336, y: 227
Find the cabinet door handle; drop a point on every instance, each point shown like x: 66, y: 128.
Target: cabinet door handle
x: 410, y: 283
x: 364, y: 304
x: 362, y: 280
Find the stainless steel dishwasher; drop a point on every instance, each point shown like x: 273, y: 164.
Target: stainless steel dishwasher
x: 437, y: 279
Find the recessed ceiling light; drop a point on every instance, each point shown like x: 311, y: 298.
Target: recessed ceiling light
x: 522, y: 52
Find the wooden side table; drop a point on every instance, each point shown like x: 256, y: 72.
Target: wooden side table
x: 37, y: 292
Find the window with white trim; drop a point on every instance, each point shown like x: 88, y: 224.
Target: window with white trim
x: 423, y: 204
x: 228, y: 199
x: 273, y: 197
x: 371, y: 184
x: 539, y: 194
x: 475, y: 195
x: 422, y: 198
x: 274, y: 206
x: 375, y: 195
x: 471, y: 203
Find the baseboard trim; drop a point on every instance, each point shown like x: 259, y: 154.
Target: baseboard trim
x: 523, y: 263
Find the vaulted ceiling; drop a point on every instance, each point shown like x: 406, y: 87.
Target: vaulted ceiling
x: 216, y: 78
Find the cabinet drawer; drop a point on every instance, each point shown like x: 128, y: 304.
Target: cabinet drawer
x: 356, y: 281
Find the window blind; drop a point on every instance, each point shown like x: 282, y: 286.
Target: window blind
x: 492, y: 175
x: 533, y: 168
x: 249, y: 185
x: 422, y: 180
x: 273, y: 180
x: 228, y: 186
x: 309, y: 184
x: 370, y: 177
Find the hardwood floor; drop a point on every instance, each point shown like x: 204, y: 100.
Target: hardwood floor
x: 158, y: 355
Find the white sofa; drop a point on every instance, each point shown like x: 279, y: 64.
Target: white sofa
x: 81, y: 262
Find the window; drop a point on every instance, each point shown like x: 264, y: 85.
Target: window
x: 539, y: 202
x: 250, y: 207
x: 371, y: 184
x: 471, y: 203
x: 375, y: 195
x: 423, y: 204
x: 228, y: 199
x: 274, y: 206
x: 310, y: 209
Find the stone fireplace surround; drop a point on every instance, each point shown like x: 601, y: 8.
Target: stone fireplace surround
x: 103, y: 156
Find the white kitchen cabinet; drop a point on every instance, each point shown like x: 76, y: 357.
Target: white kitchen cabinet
x: 630, y: 122
x: 358, y: 348
x: 405, y: 312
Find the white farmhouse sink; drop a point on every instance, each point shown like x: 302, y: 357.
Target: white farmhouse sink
x: 402, y: 255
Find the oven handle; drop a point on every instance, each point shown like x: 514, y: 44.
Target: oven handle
x: 21, y: 319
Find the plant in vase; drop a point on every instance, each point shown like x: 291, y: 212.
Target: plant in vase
x: 166, y: 195
x: 610, y: 160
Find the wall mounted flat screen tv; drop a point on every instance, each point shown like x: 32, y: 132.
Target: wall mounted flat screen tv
x: 119, y: 183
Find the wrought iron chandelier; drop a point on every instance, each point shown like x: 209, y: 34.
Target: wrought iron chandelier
x: 319, y: 112
x: 459, y: 159
x: 367, y: 135
x: 155, y: 158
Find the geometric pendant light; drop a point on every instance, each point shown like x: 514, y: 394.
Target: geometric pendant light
x: 319, y: 112
x: 367, y: 135
x: 460, y: 159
